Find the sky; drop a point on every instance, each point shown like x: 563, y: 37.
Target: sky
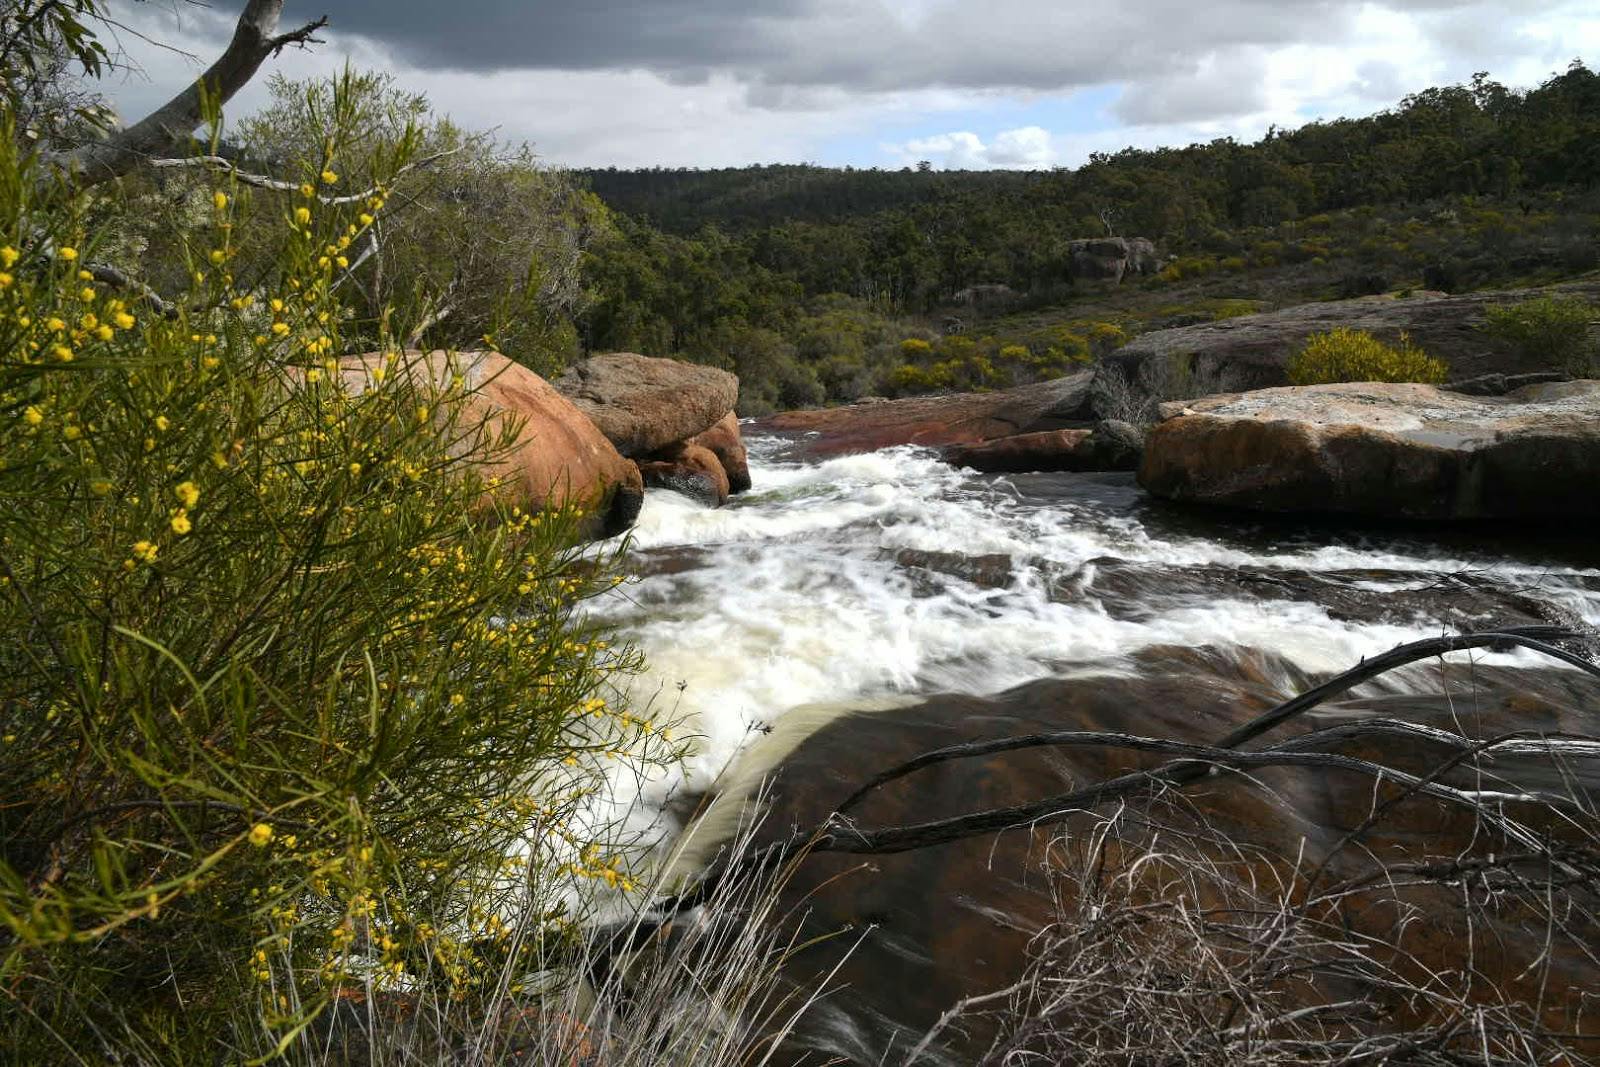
x: 877, y: 83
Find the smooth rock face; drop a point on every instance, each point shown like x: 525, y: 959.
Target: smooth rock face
x: 932, y: 421
x: 1401, y: 451
x: 1253, y: 351
x: 727, y: 444
x: 689, y: 469
x: 642, y: 404
x: 558, y: 456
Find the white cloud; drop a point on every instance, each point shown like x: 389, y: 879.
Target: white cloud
x: 826, y: 71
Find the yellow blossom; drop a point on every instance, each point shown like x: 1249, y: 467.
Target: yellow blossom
x: 302, y: 215
x: 68, y: 254
x: 33, y: 415
x: 365, y: 219
x: 220, y: 200
x: 5, y: 280
x: 8, y: 256
x: 103, y: 332
x: 329, y: 177
x: 260, y: 834
x: 124, y: 321
x: 218, y: 255
x: 355, y: 469
x: 188, y: 494
x: 62, y: 352
x: 54, y: 325
x: 280, y: 328
x: 146, y: 551
x: 343, y: 262
x: 181, y: 524
x: 87, y: 295
x: 306, y: 190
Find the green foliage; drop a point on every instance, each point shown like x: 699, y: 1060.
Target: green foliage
x: 291, y: 695
x: 1552, y: 330
x: 1345, y: 355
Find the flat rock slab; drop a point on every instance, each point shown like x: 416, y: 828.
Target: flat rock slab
x: 1391, y: 451
x: 935, y: 421
x: 643, y: 404
x: 1253, y: 351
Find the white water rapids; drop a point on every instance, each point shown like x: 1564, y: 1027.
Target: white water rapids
x: 884, y: 577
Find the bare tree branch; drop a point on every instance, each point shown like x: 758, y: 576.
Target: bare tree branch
x: 255, y: 38
x: 261, y: 181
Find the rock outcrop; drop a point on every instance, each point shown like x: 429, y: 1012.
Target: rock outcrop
x: 558, y: 456
x: 1253, y: 351
x: 1109, y: 446
x: 1111, y: 258
x: 934, y: 421
x: 1389, y: 451
x: 690, y: 469
x: 643, y: 404
x: 726, y: 443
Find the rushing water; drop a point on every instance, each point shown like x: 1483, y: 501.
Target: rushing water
x: 891, y: 579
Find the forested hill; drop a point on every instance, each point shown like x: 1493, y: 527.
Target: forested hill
x: 1478, y: 139
x: 823, y: 285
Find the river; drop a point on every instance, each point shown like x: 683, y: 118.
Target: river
x: 927, y: 596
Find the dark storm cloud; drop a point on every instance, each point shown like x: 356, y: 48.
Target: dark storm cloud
x: 668, y: 35
x: 851, y: 45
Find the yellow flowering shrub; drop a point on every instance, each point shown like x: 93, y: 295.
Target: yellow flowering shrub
x: 1345, y: 355
x: 288, y: 696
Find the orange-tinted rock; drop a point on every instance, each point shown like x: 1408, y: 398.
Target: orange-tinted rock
x: 558, y: 455
x: 642, y: 404
x: 689, y: 469
x: 933, y: 421
x: 1401, y: 451
x: 1110, y: 446
x: 727, y: 444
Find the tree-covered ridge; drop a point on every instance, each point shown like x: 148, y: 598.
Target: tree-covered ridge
x: 805, y: 280
x: 1477, y: 139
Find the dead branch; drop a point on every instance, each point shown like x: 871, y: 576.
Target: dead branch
x: 255, y: 39
x: 262, y: 181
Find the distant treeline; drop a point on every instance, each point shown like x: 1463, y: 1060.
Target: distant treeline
x: 704, y: 257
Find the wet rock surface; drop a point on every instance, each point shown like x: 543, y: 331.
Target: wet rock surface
x: 933, y: 421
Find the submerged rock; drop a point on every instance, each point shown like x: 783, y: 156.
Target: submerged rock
x: 558, y: 457
x: 642, y: 404
x: 933, y: 421
x: 1370, y: 449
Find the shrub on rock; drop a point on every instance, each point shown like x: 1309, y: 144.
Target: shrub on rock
x: 1344, y: 355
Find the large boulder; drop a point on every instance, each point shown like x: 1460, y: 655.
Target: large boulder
x: 642, y: 404
x: 1393, y: 451
x: 934, y: 421
x: 1253, y: 351
x: 558, y: 457
x: 1098, y: 258
x: 726, y: 443
x: 689, y: 469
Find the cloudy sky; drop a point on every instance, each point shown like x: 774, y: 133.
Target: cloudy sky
x: 963, y: 83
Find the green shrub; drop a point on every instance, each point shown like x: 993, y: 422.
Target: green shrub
x: 1552, y: 330
x: 289, y: 695
x: 1345, y: 355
